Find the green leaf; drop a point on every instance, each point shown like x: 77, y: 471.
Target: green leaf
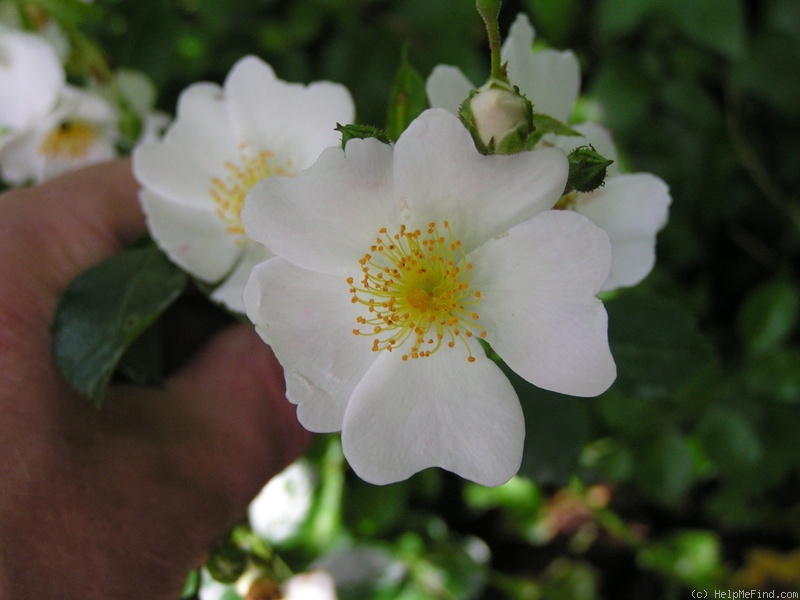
x: 619, y: 17
x: 407, y: 100
x: 776, y: 375
x: 769, y: 315
x: 361, y: 132
x: 655, y: 344
x: 105, y: 309
x: 544, y: 124
x: 693, y: 557
x: 729, y: 439
x: 556, y: 429
x: 555, y: 18
x: 716, y: 24
x: 143, y: 361
x: 665, y: 468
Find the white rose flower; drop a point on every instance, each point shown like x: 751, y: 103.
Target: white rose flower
x: 31, y: 80
x: 392, y: 262
x: 223, y: 141
x: 631, y: 208
x: 80, y: 130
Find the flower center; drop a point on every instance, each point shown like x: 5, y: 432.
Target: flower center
x: 70, y: 140
x: 230, y: 190
x: 416, y: 287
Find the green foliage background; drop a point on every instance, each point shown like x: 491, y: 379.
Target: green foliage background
x: 696, y: 445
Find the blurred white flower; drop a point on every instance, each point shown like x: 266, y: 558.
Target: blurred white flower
x: 31, y: 80
x: 223, y: 141
x: 392, y: 262
x: 311, y: 585
x: 632, y: 209
x: 80, y: 130
x: 283, y: 504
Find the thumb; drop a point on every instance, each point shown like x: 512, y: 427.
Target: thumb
x: 223, y: 420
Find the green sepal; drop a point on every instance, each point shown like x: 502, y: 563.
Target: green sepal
x: 408, y: 98
x: 544, y: 124
x: 104, y: 310
x: 515, y: 140
x: 361, y: 132
x: 587, y: 170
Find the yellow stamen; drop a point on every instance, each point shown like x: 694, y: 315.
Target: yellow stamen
x: 70, y: 140
x: 416, y: 287
x: 230, y: 190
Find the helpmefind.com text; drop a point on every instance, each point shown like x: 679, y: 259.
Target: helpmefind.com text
x: 737, y: 594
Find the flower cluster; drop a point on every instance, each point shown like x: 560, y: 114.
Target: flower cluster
x: 388, y: 278
x: 631, y: 208
x: 48, y: 126
x: 394, y: 281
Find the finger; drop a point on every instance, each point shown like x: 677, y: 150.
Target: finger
x: 223, y: 420
x: 68, y: 223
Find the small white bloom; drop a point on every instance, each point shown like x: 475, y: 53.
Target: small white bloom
x: 632, y: 209
x: 283, y: 504
x: 80, y: 130
x: 392, y: 262
x: 222, y: 142
x: 311, y: 585
x: 31, y: 80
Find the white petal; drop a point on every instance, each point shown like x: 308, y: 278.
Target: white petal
x: 406, y: 416
x: 196, y: 240
x: 592, y: 134
x: 20, y: 160
x: 31, y: 77
x: 308, y: 320
x: 86, y: 106
x: 181, y: 173
x: 326, y: 217
x: 538, y: 286
x: 295, y: 121
x: 439, y: 175
x: 311, y: 585
x: 632, y: 209
x: 549, y: 78
x: 447, y: 87
x: 203, y: 123
x: 231, y: 291
x: 193, y: 151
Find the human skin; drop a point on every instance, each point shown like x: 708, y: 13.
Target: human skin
x: 120, y: 502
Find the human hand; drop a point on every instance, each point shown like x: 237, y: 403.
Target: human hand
x: 122, y: 502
